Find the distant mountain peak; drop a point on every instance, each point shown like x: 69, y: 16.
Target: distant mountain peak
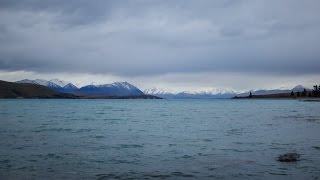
x: 124, y: 85
x: 55, y: 84
x: 116, y: 88
x: 155, y: 90
x: 70, y: 86
x: 39, y: 82
x: 94, y: 84
x: 59, y: 82
x: 298, y: 88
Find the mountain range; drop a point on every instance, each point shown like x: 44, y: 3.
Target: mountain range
x: 216, y: 93
x: 213, y: 93
x: 127, y: 89
x: 114, y: 89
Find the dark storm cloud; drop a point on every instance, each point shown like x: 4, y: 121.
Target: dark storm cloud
x: 140, y: 37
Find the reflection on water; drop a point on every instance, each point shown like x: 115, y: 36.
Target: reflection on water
x: 158, y: 139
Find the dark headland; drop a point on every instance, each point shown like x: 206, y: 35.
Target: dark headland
x: 11, y: 90
x: 306, y: 95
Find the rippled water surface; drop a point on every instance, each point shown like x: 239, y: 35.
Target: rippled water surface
x: 158, y: 139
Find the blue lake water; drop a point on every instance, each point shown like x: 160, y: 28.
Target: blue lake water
x: 158, y: 139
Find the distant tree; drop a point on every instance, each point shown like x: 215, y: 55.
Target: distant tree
x: 298, y: 94
x: 316, y: 91
x: 310, y: 94
x: 250, y: 95
x: 292, y: 94
x: 304, y: 93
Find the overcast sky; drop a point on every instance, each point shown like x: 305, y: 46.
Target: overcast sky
x: 169, y: 44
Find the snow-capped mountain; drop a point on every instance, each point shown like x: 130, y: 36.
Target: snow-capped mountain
x: 59, y: 82
x: 212, y: 93
x: 42, y: 82
x: 156, y: 91
x: 70, y: 88
x: 216, y: 93
x: 299, y: 88
x: 62, y: 86
x: 116, y: 89
x: 160, y: 93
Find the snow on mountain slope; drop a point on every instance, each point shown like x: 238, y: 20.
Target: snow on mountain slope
x: 212, y: 93
x: 70, y: 86
x: 66, y: 88
x: 40, y: 82
x: 154, y: 91
x: 116, y: 88
x: 120, y: 85
x: 124, y: 85
x: 59, y: 82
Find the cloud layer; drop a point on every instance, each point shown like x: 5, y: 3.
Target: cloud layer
x: 134, y: 38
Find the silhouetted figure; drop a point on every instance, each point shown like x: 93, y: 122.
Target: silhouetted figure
x: 298, y: 94
x: 310, y: 94
x: 250, y: 95
x: 292, y: 94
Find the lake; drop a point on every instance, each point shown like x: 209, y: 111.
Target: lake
x: 158, y: 139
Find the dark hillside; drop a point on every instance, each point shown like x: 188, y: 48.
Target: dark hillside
x: 26, y: 90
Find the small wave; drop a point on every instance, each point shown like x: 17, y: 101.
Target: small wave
x: 130, y: 146
x: 180, y: 174
x: 157, y: 176
x: 5, y: 161
x: 171, y: 145
x: 237, y: 132
x: 207, y: 140
x: 279, y: 173
x: 237, y: 150
x: 60, y: 129
x: 185, y: 157
x: 83, y: 130
x: 98, y: 137
x: 108, y: 176
x: 316, y: 147
x: 50, y: 156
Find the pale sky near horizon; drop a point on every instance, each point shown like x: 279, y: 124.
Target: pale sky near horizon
x: 170, y: 44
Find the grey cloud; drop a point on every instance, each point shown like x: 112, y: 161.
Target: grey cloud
x: 140, y: 37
